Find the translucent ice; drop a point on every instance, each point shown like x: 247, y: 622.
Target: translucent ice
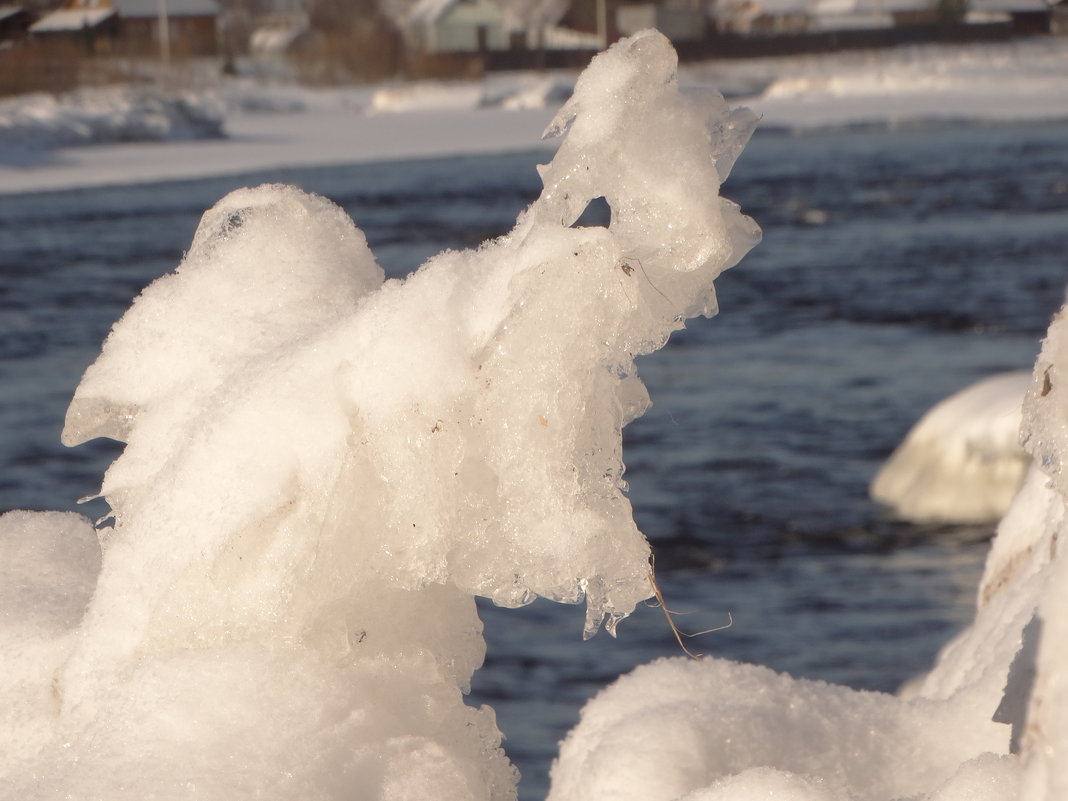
x: 322, y: 469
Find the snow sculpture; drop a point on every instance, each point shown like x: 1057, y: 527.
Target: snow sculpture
x: 323, y: 469
x: 962, y: 462
x: 987, y: 723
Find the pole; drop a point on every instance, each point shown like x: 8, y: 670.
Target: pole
x: 164, y: 37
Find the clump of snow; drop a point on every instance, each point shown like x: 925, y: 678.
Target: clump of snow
x: 543, y: 93
x: 110, y: 114
x: 962, y: 462
x: 243, y: 96
x: 427, y: 97
x: 323, y: 469
x: 987, y: 723
x: 679, y: 726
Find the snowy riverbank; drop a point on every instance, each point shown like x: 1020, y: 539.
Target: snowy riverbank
x: 287, y: 126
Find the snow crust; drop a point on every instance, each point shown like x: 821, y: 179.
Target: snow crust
x: 962, y: 462
x: 987, y: 722
x: 323, y: 469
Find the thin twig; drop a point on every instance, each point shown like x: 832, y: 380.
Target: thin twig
x: 668, y: 615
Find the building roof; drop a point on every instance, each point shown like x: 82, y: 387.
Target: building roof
x: 72, y: 19
x: 426, y: 12
x: 1008, y: 6
x: 523, y: 14
x: 10, y: 11
x: 862, y: 8
x: 145, y: 9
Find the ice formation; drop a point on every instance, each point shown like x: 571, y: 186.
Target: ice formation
x: 988, y: 723
x: 323, y: 469
x: 962, y: 462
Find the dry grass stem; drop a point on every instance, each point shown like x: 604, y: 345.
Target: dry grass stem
x: 669, y: 615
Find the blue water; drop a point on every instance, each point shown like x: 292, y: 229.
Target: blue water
x: 897, y: 267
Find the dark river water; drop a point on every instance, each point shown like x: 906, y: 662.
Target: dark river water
x: 896, y: 268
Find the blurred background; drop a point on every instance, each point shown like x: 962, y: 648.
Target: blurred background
x: 56, y: 46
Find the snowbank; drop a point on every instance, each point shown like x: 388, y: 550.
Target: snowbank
x: 427, y: 97
x: 112, y: 114
x: 962, y: 462
x: 986, y: 724
x: 907, y: 86
x: 323, y: 469
x: 709, y: 728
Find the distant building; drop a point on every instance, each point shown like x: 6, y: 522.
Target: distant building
x: 676, y: 23
x: 95, y: 23
x: 278, y: 37
x: 853, y: 15
x: 557, y: 37
x: 102, y: 24
x: 192, y: 25
x: 764, y: 17
x: 1058, y: 23
x: 773, y: 17
x: 281, y: 27
x: 15, y: 23
x: 1026, y: 16
x: 550, y: 25
x: 457, y: 26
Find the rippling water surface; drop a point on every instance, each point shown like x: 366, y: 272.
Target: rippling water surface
x: 896, y: 268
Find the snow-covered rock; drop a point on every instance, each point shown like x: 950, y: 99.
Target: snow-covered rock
x: 962, y: 462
